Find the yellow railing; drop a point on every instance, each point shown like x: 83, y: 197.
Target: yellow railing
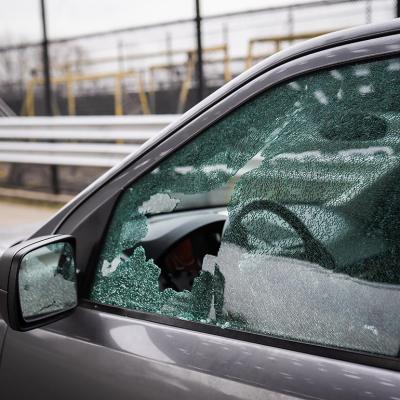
x: 190, y: 66
x: 69, y: 79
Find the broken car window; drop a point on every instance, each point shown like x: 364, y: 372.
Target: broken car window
x: 280, y: 219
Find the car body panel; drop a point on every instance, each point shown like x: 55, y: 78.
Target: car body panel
x: 124, y: 357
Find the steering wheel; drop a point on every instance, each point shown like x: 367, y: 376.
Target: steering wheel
x: 314, y: 249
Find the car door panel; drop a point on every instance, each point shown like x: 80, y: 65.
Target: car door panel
x: 103, y: 356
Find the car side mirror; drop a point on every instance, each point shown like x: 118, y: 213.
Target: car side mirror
x: 38, y: 283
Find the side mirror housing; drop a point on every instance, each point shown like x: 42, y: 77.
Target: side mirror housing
x: 38, y: 282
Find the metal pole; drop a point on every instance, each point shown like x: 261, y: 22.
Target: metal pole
x: 121, y: 60
x: 47, y: 90
x: 168, y: 42
x: 225, y: 41
x: 119, y: 81
x: 368, y: 12
x: 290, y: 22
x: 46, y: 61
x: 225, y: 34
x: 199, y: 64
x: 398, y: 9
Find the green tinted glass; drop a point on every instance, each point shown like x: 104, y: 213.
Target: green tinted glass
x: 47, y: 281
x: 307, y: 174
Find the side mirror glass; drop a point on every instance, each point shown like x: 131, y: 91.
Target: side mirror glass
x: 41, y: 283
x: 47, y: 281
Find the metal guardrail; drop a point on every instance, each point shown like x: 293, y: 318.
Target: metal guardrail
x: 76, y: 141
x: 5, y: 110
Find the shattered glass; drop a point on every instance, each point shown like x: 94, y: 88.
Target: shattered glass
x: 308, y: 173
x: 47, y: 280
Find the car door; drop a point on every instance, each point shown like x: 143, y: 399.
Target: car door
x: 294, y: 176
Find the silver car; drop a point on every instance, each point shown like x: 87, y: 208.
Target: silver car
x: 251, y: 250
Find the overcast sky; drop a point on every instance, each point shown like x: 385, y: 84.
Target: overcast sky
x: 20, y: 19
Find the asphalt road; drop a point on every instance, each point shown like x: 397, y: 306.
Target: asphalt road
x: 18, y: 221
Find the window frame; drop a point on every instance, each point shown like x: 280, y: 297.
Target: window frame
x: 109, y: 195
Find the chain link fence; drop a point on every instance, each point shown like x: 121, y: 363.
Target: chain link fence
x: 151, y: 69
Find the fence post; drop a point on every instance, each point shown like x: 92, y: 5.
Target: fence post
x: 47, y: 89
x: 368, y: 12
x: 46, y: 61
x: 200, y: 72
x: 290, y: 22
